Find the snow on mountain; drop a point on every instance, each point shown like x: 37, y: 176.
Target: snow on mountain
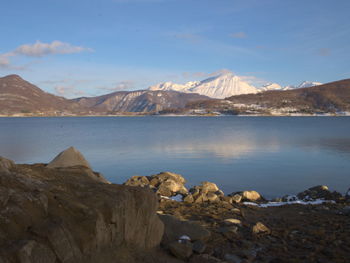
x: 225, y: 85
x: 308, y: 84
x: 271, y: 86
x: 173, y: 86
x: 222, y: 86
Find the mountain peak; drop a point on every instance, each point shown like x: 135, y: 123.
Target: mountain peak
x: 221, y: 85
x: 13, y: 77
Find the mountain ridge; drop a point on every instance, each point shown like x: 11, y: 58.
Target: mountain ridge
x: 225, y: 84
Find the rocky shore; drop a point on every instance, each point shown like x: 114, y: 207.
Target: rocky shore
x: 65, y: 212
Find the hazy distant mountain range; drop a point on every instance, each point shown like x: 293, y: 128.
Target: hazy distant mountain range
x: 225, y: 85
x: 19, y: 97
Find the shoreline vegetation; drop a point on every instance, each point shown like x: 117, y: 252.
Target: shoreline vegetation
x: 66, y: 212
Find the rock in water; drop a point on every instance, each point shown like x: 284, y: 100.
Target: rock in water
x: 69, y: 158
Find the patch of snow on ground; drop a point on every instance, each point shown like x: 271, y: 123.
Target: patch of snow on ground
x: 184, y: 238
x: 297, y: 202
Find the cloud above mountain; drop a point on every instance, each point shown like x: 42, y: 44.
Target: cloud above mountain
x: 40, y: 49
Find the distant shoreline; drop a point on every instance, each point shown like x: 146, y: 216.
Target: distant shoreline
x: 175, y: 115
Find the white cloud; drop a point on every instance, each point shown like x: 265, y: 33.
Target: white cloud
x: 40, y: 49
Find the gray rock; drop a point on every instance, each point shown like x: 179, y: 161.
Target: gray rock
x: 175, y: 228
x: 181, y: 250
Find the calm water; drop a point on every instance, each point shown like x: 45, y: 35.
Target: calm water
x: 274, y: 156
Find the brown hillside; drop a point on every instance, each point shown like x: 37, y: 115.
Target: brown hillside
x: 20, y: 96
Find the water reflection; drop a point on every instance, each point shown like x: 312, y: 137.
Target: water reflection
x: 226, y: 148
x: 272, y: 155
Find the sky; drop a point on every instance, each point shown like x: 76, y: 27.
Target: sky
x: 79, y: 48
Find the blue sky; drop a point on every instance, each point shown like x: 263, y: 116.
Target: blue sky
x: 91, y: 47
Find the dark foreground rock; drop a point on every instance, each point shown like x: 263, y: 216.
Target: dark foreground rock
x: 64, y: 215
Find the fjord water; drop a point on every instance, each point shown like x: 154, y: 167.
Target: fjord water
x: 273, y: 155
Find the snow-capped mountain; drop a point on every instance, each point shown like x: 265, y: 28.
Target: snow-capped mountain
x: 308, y: 84
x: 222, y: 86
x: 225, y: 85
x: 271, y: 86
x: 173, y: 86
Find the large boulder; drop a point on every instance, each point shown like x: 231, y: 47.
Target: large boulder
x: 69, y: 158
x: 62, y: 215
x: 319, y: 192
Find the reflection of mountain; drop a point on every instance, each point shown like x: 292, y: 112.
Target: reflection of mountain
x: 225, y: 149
